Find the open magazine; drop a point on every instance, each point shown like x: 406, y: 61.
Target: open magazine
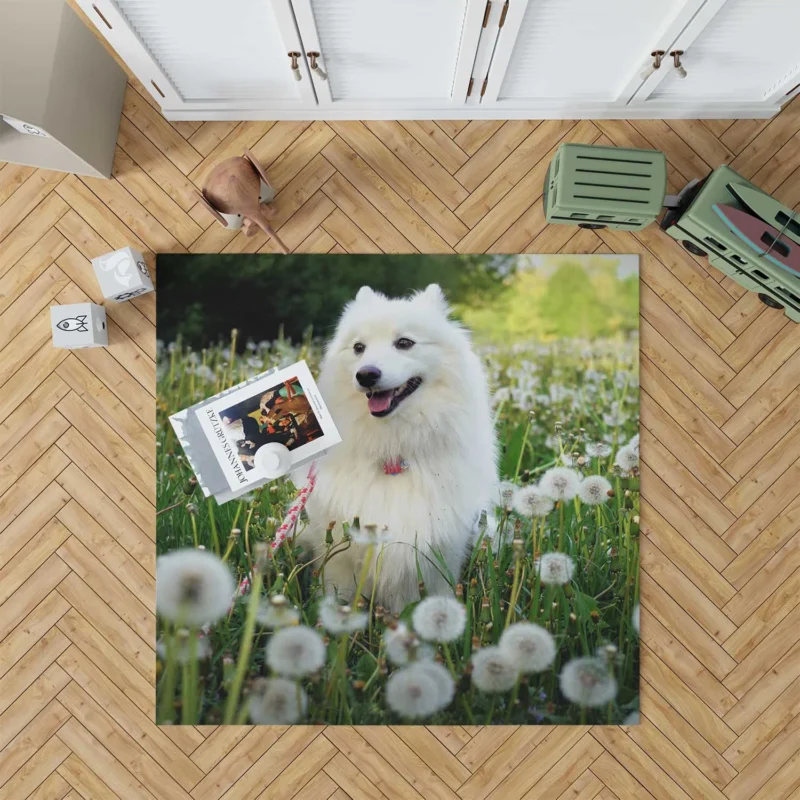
x: 237, y: 439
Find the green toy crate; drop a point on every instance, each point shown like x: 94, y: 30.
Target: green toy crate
x: 605, y: 187
x: 695, y: 224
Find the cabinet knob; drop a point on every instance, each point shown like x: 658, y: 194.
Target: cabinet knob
x: 651, y: 68
x: 676, y: 58
x: 295, y: 66
x: 317, y: 70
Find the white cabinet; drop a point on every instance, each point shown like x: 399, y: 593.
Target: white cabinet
x: 221, y: 56
x: 739, y: 51
x: 566, y: 52
x: 407, y: 59
x: 379, y: 53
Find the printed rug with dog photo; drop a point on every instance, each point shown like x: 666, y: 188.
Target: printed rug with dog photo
x: 398, y: 489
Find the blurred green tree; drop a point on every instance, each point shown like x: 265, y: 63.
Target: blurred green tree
x: 202, y: 297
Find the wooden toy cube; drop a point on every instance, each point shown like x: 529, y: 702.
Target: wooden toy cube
x: 122, y: 274
x: 79, y: 325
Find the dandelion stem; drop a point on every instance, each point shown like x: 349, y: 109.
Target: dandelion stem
x: 189, y: 688
x: 515, y: 589
x: 522, y: 448
x: 194, y: 530
x: 513, y: 701
x: 170, y: 680
x: 449, y: 659
x: 244, y: 650
x: 212, y: 522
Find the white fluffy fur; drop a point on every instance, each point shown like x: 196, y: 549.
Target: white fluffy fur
x: 444, y: 430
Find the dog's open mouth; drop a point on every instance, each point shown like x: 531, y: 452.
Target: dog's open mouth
x: 381, y: 404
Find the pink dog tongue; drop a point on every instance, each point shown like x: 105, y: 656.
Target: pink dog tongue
x: 379, y: 401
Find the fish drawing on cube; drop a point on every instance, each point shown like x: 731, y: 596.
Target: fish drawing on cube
x: 122, y: 275
x: 79, y: 325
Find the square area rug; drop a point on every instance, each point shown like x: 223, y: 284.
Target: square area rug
x: 452, y: 537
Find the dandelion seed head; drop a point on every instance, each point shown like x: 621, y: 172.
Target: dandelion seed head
x: 194, y: 587
x: 555, y: 569
x: 370, y: 534
x: 505, y: 494
x: 336, y: 618
x: 560, y: 483
x: 531, y: 501
x: 594, y: 490
x: 586, y: 681
x: 276, y: 612
x: 493, y: 671
x: 598, y: 450
x: 295, y: 652
x: 276, y: 701
x: 529, y: 647
x: 403, y: 646
x: 183, y: 647
x: 632, y: 719
x: 419, y: 690
x: 627, y: 458
x: 439, y: 619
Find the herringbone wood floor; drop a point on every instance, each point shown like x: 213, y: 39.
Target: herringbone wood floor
x: 720, y: 413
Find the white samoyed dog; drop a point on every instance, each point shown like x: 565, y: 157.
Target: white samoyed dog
x: 418, y: 455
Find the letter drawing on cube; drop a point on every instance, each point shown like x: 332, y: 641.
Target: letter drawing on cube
x: 78, y: 325
x: 122, y: 275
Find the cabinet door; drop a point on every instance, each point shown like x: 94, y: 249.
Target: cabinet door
x: 390, y: 53
x: 734, y: 51
x: 561, y: 53
x: 206, y: 53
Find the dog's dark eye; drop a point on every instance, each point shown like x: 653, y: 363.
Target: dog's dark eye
x: 404, y: 344
x: 359, y: 348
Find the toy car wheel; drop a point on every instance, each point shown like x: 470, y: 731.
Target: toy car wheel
x: 592, y: 226
x: 769, y: 301
x: 693, y: 248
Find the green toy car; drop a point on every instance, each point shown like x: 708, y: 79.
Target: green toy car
x: 613, y: 187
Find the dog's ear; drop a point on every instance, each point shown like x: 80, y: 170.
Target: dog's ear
x: 366, y: 293
x: 434, y: 298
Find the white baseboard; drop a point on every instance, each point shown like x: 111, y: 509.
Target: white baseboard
x: 650, y: 111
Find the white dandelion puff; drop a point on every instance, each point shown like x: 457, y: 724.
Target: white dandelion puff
x: 182, y: 647
x: 439, y: 619
x: 194, y: 587
x: 276, y: 612
x: 403, y: 646
x: 370, y: 534
x: 598, y: 450
x: 440, y: 675
x: 635, y: 618
x: 586, y: 681
x: 276, y: 701
x: 530, y: 501
x: 634, y: 444
x: 529, y: 647
x: 560, y: 483
x: 336, y: 618
x: 632, y: 719
x: 627, y: 458
x: 419, y: 690
x: 295, y: 652
x: 594, y: 490
x: 555, y: 569
x: 505, y: 494
x: 493, y: 671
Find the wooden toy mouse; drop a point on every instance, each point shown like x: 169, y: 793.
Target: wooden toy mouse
x: 235, y: 193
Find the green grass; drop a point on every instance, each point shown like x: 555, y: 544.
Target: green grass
x: 552, y: 398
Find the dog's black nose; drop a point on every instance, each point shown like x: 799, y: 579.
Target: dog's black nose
x: 368, y: 376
